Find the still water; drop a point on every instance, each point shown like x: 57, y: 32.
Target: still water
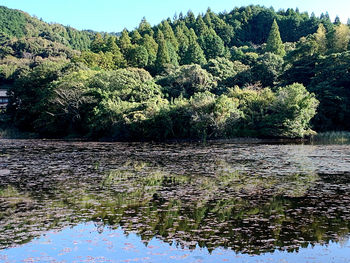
x: 143, y: 202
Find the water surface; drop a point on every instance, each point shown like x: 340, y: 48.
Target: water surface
x: 128, y: 202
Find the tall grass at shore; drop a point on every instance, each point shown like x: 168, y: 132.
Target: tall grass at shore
x: 332, y: 136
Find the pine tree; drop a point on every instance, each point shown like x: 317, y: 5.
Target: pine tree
x: 207, y: 18
x: 337, y: 21
x: 190, y: 19
x: 274, y: 42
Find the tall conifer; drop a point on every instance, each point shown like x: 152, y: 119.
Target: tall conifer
x: 274, y: 42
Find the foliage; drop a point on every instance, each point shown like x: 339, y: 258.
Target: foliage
x: 186, y: 81
x: 178, y: 79
x: 274, y: 42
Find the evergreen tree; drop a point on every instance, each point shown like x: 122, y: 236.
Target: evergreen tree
x: 169, y: 34
x: 339, y: 39
x: 212, y: 44
x: 190, y: 19
x: 207, y: 19
x: 274, y: 42
x: 337, y: 21
x: 97, y: 44
x: 117, y: 55
x: 172, y: 54
x: 151, y: 46
x: 138, y: 56
x: 183, y: 40
x: 200, y: 27
x: 111, y: 45
x: 145, y: 28
x: 136, y: 38
x: 163, y: 57
x: 321, y: 39
x: 194, y: 53
x: 125, y: 43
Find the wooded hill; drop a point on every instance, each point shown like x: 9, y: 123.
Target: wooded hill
x: 250, y: 72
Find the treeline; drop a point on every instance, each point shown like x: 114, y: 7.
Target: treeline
x: 18, y: 24
x: 250, y: 72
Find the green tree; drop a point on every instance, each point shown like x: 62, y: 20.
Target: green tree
x: 30, y: 96
x: 181, y: 33
x: 212, y: 45
x: 124, y: 43
x: 98, y: 44
x: 136, y: 38
x: 294, y: 107
x: 274, y: 42
x: 145, y: 28
x: 339, y: 39
x: 138, y: 56
x: 187, y: 80
x: 194, y: 53
x: 152, y: 47
x: 268, y: 69
x: 321, y: 39
x: 169, y: 34
x: 163, y: 57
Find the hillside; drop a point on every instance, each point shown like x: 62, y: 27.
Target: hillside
x: 15, y: 23
x: 248, y: 72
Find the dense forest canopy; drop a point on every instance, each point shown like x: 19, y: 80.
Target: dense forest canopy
x: 249, y: 72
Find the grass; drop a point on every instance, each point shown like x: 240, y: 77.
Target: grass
x: 14, y: 133
x: 332, y: 136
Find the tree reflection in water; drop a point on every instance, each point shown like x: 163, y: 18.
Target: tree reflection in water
x: 246, y: 198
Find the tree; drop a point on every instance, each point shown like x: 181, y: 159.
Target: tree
x: 200, y: 27
x: 97, y: 44
x: 152, y: 47
x: 293, y: 108
x: 187, y: 80
x: 163, y: 57
x: 145, y: 28
x: 30, y: 96
x: 138, y: 56
x: 225, y: 71
x: 194, y: 53
x: 181, y: 32
x: 268, y: 69
x: 136, y: 38
x: 169, y: 34
x: 125, y: 43
x: 212, y: 44
x: 339, y: 39
x: 274, y: 42
x: 321, y: 39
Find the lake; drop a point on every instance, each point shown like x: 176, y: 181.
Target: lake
x: 227, y: 201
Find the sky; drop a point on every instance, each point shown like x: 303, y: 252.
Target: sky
x: 115, y: 15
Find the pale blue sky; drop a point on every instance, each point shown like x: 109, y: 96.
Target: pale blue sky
x: 114, y: 15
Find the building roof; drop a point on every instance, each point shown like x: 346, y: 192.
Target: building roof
x: 3, y: 93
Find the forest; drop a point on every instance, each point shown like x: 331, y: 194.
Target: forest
x: 250, y: 72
